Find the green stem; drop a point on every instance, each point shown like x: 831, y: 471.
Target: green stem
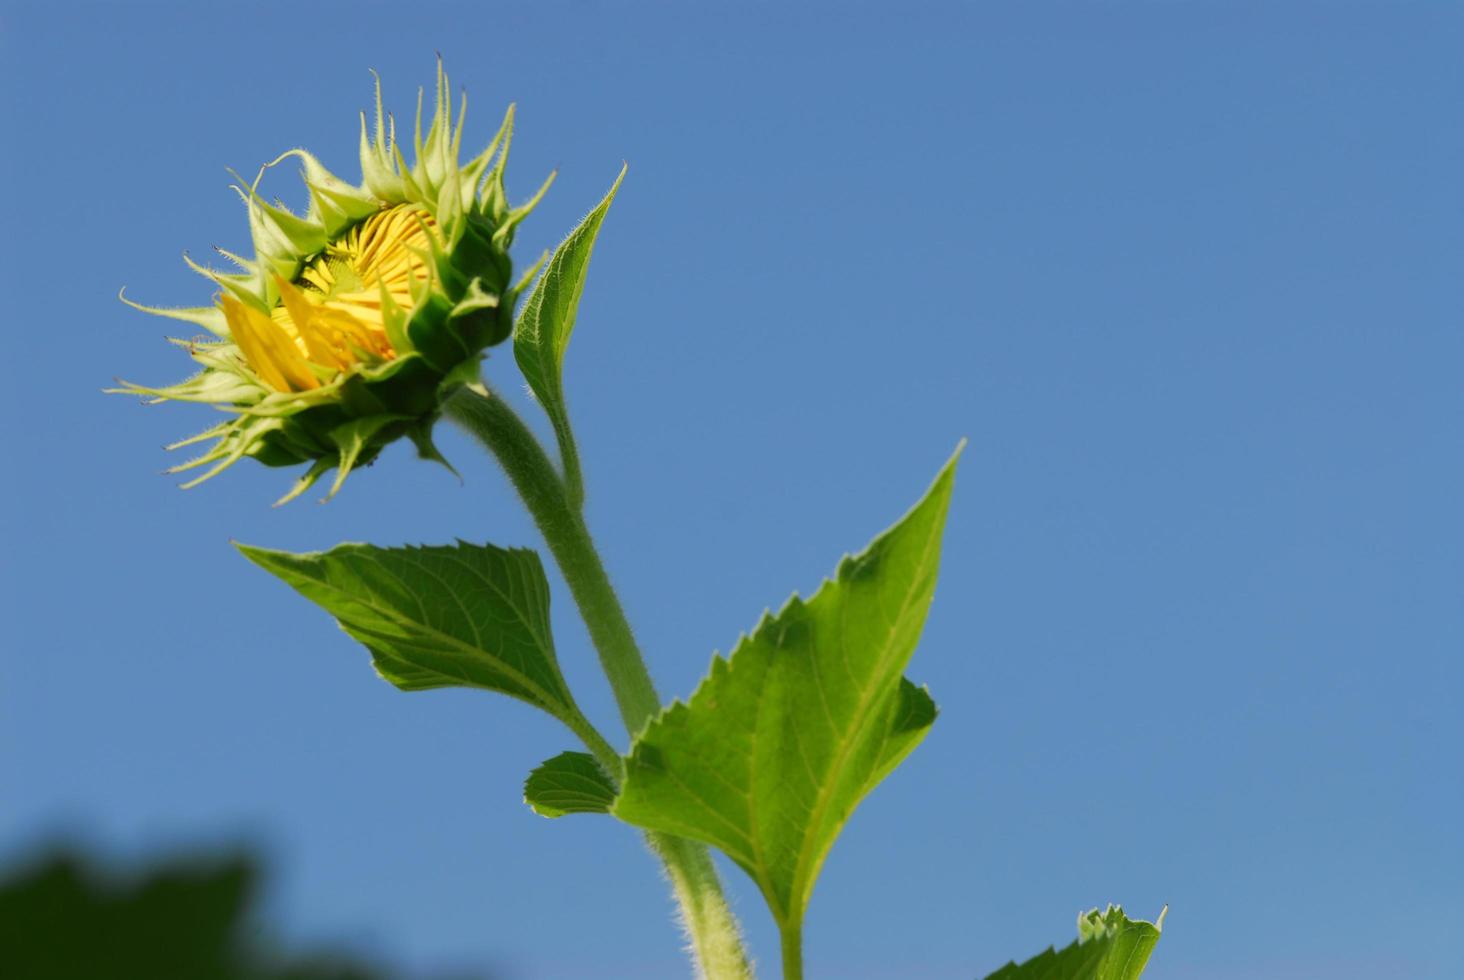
x: 490, y: 419
x: 792, y: 937
x: 708, y: 920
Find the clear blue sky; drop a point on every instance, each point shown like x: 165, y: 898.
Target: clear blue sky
x: 1188, y: 275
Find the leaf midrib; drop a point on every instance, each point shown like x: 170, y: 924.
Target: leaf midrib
x: 825, y: 793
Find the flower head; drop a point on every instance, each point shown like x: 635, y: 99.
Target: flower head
x: 353, y: 321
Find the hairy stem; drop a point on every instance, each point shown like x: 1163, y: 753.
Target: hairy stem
x: 713, y: 931
x: 494, y: 423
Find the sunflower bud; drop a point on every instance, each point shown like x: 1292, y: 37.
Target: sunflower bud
x: 355, y: 320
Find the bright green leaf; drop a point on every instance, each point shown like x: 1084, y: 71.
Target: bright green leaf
x: 464, y: 616
x: 541, y: 334
x: 571, y: 782
x: 1110, y: 946
x: 781, y: 742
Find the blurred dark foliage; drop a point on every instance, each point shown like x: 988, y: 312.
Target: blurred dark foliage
x: 63, y: 917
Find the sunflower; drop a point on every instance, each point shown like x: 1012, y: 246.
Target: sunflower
x: 354, y: 321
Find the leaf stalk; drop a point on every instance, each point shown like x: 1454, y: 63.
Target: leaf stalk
x: 791, y: 935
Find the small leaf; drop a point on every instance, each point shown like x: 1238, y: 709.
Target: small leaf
x: 464, y: 616
x: 778, y: 746
x: 541, y: 334
x: 1110, y: 946
x: 571, y: 782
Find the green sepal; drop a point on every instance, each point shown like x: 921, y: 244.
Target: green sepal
x: 317, y: 469
x: 210, y: 387
x: 475, y: 317
x: 511, y: 295
x: 210, y: 318
x: 394, y: 323
x: 477, y: 255
x: 432, y: 335
x: 278, y: 233
x: 379, y: 173
x: 421, y: 435
x: 503, y: 237
x: 571, y: 782
x: 337, y: 204
x: 228, y: 450
x: 404, y: 385
x: 354, y: 440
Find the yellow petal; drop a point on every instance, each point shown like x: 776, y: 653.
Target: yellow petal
x: 303, y: 314
x: 270, y: 351
x: 249, y: 344
x: 350, y: 333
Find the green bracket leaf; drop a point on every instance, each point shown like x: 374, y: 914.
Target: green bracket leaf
x: 1110, y: 946
x: 571, y: 782
x: 781, y: 742
x: 541, y: 334
x: 464, y: 616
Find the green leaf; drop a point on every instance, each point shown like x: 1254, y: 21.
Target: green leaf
x: 464, y: 616
x: 541, y: 334
x: 781, y: 742
x: 571, y: 782
x: 1110, y: 946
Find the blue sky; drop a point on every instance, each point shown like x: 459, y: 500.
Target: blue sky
x: 1187, y: 275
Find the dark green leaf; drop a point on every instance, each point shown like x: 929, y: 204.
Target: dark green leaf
x: 67, y: 915
x: 571, y: 782
x: 464, y: 616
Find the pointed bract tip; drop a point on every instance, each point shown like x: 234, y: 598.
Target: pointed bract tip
x: 281, y: 158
